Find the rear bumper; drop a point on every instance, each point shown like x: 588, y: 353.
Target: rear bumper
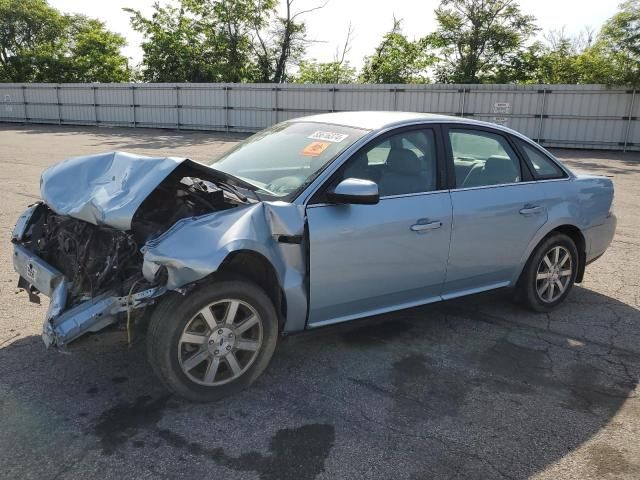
x: 599, y: 238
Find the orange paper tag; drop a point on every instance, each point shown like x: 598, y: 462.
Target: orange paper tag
x: 315, y: 148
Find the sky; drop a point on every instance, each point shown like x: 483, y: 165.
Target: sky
x: 370, y: 19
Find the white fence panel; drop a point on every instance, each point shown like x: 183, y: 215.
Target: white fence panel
x: 587, y: 116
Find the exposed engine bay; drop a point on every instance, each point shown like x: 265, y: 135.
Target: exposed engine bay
x: 99, y: 258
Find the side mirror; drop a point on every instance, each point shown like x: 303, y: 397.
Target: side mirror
x: 356, y: 191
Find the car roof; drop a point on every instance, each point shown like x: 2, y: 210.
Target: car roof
x: 381, y: 120
x: 372, y: 120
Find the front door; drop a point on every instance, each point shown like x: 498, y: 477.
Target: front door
x: 369, y: 259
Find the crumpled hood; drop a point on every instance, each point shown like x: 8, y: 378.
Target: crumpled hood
x: 104, y: 189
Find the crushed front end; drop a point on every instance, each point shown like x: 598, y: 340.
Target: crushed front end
x: 82, y: 246
x: 88, y: 271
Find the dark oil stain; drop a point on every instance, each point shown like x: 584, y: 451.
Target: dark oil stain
x: 410, y: 368
x: 138, y: 444
x: 586, y: 390
x: 119, y: 423
x: 507, y: 367
x: 376, y: 333
x: 294, y: 453
x: 421, y: 389
x: 425, y: 388
x: 93, y: 390
x: 83, y: 414
x: 118, y: 380
x: 519, y: 369
x: 515, y: 362
x: 607, y: 461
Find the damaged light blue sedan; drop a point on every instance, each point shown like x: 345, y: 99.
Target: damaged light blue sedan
x: 311, y: 222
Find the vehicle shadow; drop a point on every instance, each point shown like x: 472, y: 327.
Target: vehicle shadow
x: 473, y: 388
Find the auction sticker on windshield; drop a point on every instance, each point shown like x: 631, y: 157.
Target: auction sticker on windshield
x: 332, y: 137
x: 315, y: 148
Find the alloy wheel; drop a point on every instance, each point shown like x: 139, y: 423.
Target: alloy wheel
x: 554, y: 274
x: 220, y: 342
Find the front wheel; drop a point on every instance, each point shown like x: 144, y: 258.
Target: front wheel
x: 550, y: 273
x: 214, y: 341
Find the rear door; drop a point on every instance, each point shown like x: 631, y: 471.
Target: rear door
x: 497, y: 210
x: 368, y: 259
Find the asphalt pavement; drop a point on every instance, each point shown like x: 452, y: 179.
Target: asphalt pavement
x: 475, y: 388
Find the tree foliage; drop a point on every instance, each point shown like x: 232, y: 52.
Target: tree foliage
x: 266, y: 41
x: 325, y: 72
x: 282, y: 45
x: 473, y: 36
x: 39, y: 44
x: 618, y: 47
x: 611, y: 57
x: 337, y: 71
x: 220, y: 41
x: 397, y: 60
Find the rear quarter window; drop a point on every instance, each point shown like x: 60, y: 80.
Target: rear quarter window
x: 543, y: 167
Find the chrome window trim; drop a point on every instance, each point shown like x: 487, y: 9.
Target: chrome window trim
x: 312, y: 188
x: 544, y: 153
x: 305, y: 196
x: 514, y: 184
x: 500, y: 130
x: 388, y: 197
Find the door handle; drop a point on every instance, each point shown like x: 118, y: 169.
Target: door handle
x: 531, y: 210
x: 421, y: 227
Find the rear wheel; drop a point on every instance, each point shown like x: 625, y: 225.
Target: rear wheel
x: 214, y: 341
x: 550, y: 273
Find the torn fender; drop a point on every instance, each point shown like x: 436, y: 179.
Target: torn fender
x: 104, y: 189
x: 196, y: 247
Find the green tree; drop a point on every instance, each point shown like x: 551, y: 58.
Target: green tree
x: 93, y: 53
x: 282, y: 44
x: 29, y: 38
x: 325, y: 72
x: 554, y: 60
x: 397, y: 60
x: 612, y: 58
x: 474, y: 36
x: 337, y: 71
x: 220, y: 41
x: 615, y: 56
x: 39, y: 44
x: 176, y: 46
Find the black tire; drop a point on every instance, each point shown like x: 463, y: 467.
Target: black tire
x: 175, y: 311
x: 527, y: 290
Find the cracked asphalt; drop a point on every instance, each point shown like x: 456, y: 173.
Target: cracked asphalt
x: 474, y: 388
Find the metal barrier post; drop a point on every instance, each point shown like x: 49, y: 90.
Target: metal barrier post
x: 629, y: 120
x: 23, y: 89
x: 178, y: 106
x: 333, y: 98
x: 57, y: 87
x: 277, y: 106
x: 462, y: 100
x: 541, y: 114
x: 226, y: 107
x: 133, y: 106
x: 95, y: 104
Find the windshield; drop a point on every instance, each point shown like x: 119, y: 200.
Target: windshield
x: 283, y: 159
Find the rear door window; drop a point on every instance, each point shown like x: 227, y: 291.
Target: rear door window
x: 482, y: 158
